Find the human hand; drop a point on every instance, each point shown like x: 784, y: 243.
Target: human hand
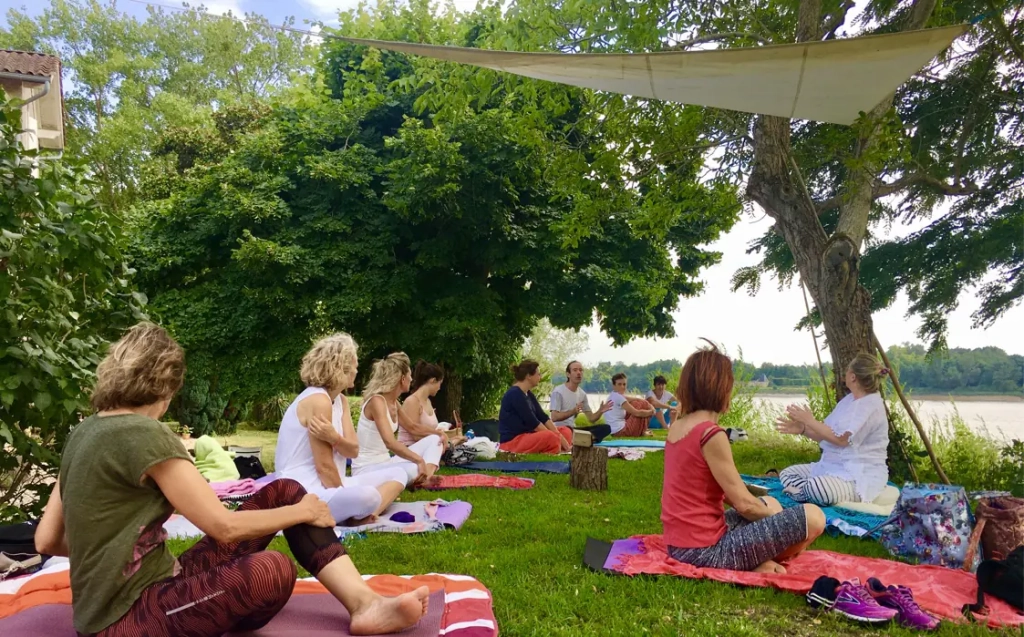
x: 421, y: 468
x: 579, y: 408
x: 786, y: 425
x: 323, y: 429
x: 566, y: 445
x: 605, y: 407
x: 800, y: 413
x: 316, y: 511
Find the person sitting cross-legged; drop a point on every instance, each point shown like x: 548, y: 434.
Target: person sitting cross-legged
x: 756, y: 533
x: 663, y: 402
x: 122, y: 474
x: 416, y: 417
x: 569, y: 401
x: 628, y: 417
x: 316, y: 438
x: 525, y: 427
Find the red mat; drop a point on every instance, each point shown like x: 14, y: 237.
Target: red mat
x: 467, y: 480
x: 941, y: 591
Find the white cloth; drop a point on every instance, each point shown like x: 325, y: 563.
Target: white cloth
x: 372, y: 450
x: 616, y: 416
x: 357, y: 497
x: 428, y: 448
x: 825, y: 80
x: 863, y: 461
x: 666, y: 396
x: 564, y: 399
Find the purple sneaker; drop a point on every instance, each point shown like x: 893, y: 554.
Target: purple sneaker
x: 902, y: 600
x: 855, y: 601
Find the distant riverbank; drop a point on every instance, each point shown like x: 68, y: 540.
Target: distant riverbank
x: 951, y: 397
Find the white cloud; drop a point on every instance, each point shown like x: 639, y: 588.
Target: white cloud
x: 222, y: 7
x: 325, y: 9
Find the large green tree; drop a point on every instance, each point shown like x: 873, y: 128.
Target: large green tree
x: 363, y: 208
x: 943, y: 154
x: 66, y: 291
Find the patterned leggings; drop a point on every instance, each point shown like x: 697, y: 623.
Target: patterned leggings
x: 823, y: 491
x: 228, y: 587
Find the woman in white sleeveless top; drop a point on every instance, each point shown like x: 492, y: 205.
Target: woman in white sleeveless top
x: 317, y: 436
x: 416, y: 417
x: 378, y: 423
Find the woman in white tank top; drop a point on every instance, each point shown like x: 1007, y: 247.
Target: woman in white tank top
x: 316, y: 437
x: 417, y: 418
x: 378, y: 418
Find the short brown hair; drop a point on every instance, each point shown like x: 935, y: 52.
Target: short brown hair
x: 143, y: 368
x: 618, y: 377
x: 329, y: 360
x: 524, y: 369
x: 706, y: 381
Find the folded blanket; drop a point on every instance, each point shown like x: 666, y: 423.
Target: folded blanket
x: 939, y: 590
x: 643, y: 444
x: 626, y: 454
x: 235, y: 489
x: 213, y: 462
x: 460, y: 606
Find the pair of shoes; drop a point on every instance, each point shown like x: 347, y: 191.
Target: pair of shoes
x: 873, y: 604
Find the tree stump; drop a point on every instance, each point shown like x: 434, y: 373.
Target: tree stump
x: 589, y: 469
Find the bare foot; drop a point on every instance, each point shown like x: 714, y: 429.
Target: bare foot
x: 370, y: 519
x: 391, y: 614
x: 771, y: 567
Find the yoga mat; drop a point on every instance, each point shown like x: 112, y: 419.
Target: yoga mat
x: 843, y: 521
x: 643, y: 444
x: 941, y: 591
x: 472, y: 480
x: 445, y: 515
x: 517, y: 467
x: 313, y: 615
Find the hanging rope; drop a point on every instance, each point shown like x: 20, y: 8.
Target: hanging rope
x: 817, y: 351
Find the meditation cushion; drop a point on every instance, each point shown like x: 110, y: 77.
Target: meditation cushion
x: 882, y: 505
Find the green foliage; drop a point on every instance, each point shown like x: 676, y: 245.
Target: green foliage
x: 553, y: 349
x: 65, y: 292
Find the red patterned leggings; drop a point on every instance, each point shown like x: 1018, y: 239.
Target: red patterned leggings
x: 229, y: 587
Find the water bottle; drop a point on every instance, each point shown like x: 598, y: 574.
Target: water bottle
x: 469, y: 434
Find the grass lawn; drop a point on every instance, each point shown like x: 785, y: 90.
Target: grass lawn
x: 527, y: 547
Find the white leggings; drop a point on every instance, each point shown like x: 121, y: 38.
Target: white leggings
x: 823, y: 490
x: 429, y: 448
x: 358, y: 496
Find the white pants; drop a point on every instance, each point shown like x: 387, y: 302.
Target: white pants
x: 823, y: 490
x: 358, y: 496
x: 429, y: 448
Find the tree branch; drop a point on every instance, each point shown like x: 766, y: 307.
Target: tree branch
x: 837, y: 20
x: 1004, y: 31
x: 714, y: 37
x: 808, y: 21
x: 882, y: 189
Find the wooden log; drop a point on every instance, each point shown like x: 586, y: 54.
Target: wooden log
x: 589, y: 469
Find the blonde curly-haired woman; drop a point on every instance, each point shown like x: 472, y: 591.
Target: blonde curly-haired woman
x: 316, y: 437
x: 378, y: 423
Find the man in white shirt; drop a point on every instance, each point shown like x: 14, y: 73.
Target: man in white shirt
x: 662, y: 400
x: 568, y: 400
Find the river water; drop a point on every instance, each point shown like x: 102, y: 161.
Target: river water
x: 1000, y: 419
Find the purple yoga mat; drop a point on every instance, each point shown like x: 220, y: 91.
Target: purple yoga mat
x: 621, y: 547
x: 455, y: 514
x: 313, y: 615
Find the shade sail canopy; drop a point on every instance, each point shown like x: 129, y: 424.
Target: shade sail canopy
x: 827, y: 81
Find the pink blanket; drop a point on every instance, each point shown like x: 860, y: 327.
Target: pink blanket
x: 465, y: 480
x: 941, y: 591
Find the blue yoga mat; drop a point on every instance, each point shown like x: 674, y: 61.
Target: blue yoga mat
x: 647, y: 444
x: 517, y: 467
x: 844, y: 521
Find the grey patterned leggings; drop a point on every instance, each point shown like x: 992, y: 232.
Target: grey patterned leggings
x: 823, y: 491
x: 747, y: 545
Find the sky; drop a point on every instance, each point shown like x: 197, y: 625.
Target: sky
x: 761, y: 326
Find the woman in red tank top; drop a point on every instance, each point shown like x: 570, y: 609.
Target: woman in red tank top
x: 700, y: 475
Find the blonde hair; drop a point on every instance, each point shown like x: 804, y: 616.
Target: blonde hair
x: 387, y: 374
x: 329, y: 361
x: 868, y: 370
x: 143, y: 368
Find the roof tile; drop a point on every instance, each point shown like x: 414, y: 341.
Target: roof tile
x: 28, y: 63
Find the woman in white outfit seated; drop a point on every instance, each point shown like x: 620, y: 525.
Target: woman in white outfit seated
x: 316, y: 438
x: 853, y: 440
x: 416, y: 417
x: 378, y: 423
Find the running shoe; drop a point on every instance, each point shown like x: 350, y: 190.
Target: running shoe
x: 901, y: 599
x: 854, y: 600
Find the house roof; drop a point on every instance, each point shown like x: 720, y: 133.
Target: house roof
x: 28, y: 63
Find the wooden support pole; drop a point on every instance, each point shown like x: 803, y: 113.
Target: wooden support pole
x: 911, y: 412
x: 589, y: 468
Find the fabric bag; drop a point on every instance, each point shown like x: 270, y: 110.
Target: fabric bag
x: 458, y: 455
x: 1003, y: 579
x: 931, y: 524
x: 484, y: 448
x: 1000, y: 527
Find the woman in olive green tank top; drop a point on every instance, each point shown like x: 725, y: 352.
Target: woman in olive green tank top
x: 122, y: 475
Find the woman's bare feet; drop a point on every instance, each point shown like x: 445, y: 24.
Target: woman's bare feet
x: 390, y: 614
x: 771, y: 566
x: 370, y: 519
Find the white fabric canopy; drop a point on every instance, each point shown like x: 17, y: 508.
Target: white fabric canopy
x: 828, y: 81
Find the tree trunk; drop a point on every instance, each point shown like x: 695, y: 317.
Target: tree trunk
x: 449, y: 399
x: 589, y: 470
